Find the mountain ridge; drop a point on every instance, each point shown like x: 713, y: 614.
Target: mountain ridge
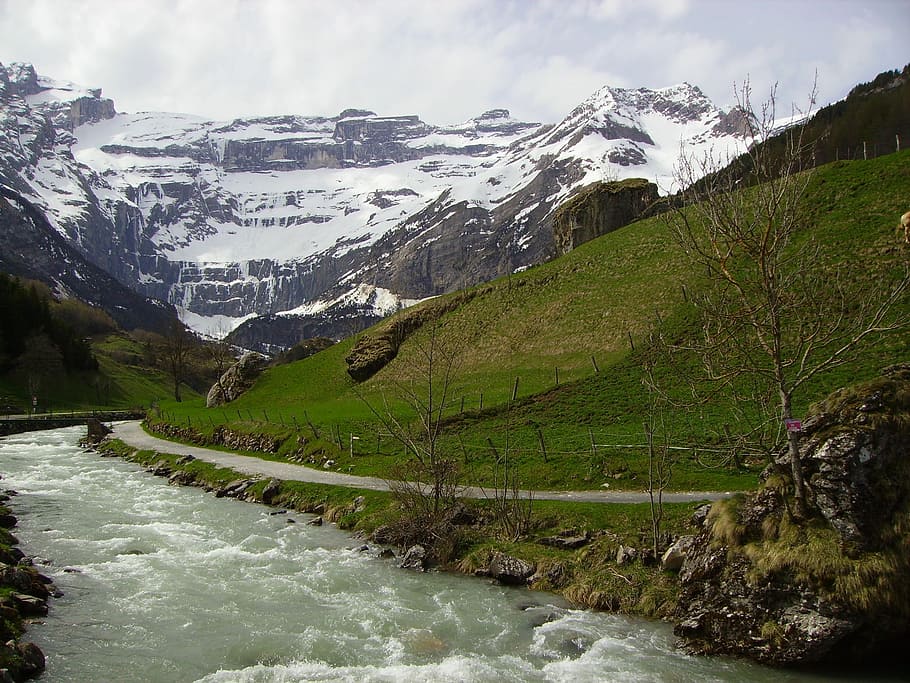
x: 269, y: 215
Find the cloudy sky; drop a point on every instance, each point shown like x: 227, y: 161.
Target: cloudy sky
x: 446, y: 60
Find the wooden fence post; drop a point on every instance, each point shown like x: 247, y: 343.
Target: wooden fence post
x: 543, y: 446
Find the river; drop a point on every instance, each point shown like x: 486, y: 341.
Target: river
x: 165, y: 583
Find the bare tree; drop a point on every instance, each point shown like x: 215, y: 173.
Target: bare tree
x: 512, y: 507
x: 771, y: 308
x: 177, y: 346
x: 423, y: 390
x: 657, y: 437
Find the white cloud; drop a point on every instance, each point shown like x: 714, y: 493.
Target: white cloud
x: 445, y: 60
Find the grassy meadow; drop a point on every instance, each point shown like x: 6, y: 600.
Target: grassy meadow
x: 567, y: 339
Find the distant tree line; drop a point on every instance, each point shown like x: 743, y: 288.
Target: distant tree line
x: 37, y: 335
x: 871, y: 121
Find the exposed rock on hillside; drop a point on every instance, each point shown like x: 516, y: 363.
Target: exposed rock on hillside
x: 374, y: 351
x: 834, y: 587
x: 294, y: 216
x: 601, y: 208
x: 237, y: 379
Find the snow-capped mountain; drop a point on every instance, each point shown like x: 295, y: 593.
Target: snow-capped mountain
x: 355, y: 214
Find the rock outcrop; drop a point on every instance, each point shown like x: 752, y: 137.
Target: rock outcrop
x: 23, y: 595
x: 601, y: 208
x: 833, y: 587
x: 374, y: 351
x: 236, y: 380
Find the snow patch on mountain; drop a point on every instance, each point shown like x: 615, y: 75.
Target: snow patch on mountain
x: 297, y: 215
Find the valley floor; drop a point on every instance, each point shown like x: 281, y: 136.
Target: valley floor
x: 133, y: 434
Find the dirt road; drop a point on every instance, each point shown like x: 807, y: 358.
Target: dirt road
x: 133, y: 434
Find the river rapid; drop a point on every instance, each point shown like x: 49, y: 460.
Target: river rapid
x: 165, y: 583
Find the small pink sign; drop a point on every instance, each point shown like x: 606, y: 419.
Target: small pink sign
x: 794, y: 425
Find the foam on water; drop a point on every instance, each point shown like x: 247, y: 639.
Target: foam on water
x: 166, y: 583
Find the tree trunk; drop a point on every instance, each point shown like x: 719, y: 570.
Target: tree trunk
x: 799, y: 489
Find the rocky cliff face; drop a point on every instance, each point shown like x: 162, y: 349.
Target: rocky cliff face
x: 601, y: 208
x: 834, y: 587
x: 284, y: 215
x: 31, y: 248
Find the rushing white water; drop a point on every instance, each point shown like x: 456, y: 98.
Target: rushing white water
x: 164, y: 583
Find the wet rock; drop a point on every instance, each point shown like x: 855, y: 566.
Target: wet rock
x: 316, y: 521
x: 29, y: 605
x: 8, y: 521
x: 234, y: 488
x: 32, y: 659
x: 24, y: 579
x: 271, y: 490
x: 510, y: 570
x: 415, y: 558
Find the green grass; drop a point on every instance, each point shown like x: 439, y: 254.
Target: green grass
x: 124, y: 380
x: 588, y: 576
x: 595, y: 302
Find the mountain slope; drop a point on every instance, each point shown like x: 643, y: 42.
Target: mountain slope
x: 31, y: 248
x: 551, y: 324
x: 293, y: 215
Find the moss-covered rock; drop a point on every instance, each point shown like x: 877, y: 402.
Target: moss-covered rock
x: 834, y: 586
x: 374, y: 351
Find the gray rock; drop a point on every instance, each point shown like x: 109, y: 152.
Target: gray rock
x: 626, y: 554
x: 672, y: 560
x: 565, y: 542
x: 510, y: 570
x: 601, y: 208
x: 700, y: 515
x: 415, y: 558
x: 855, y: 463
x: 236, y: 380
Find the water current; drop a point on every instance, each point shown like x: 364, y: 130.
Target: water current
x: 164, y: 583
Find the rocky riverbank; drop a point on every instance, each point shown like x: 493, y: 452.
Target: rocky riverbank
x: 832, y: 587
x: 756, y: 580
x: 24, y: 593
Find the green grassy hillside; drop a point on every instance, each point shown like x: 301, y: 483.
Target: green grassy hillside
x: 584, y: 317
x: 124, y: 379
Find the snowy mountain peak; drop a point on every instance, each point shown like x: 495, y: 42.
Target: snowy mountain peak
x: 274, y: 214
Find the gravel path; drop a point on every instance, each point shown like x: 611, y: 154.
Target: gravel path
x: 133, y: 434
